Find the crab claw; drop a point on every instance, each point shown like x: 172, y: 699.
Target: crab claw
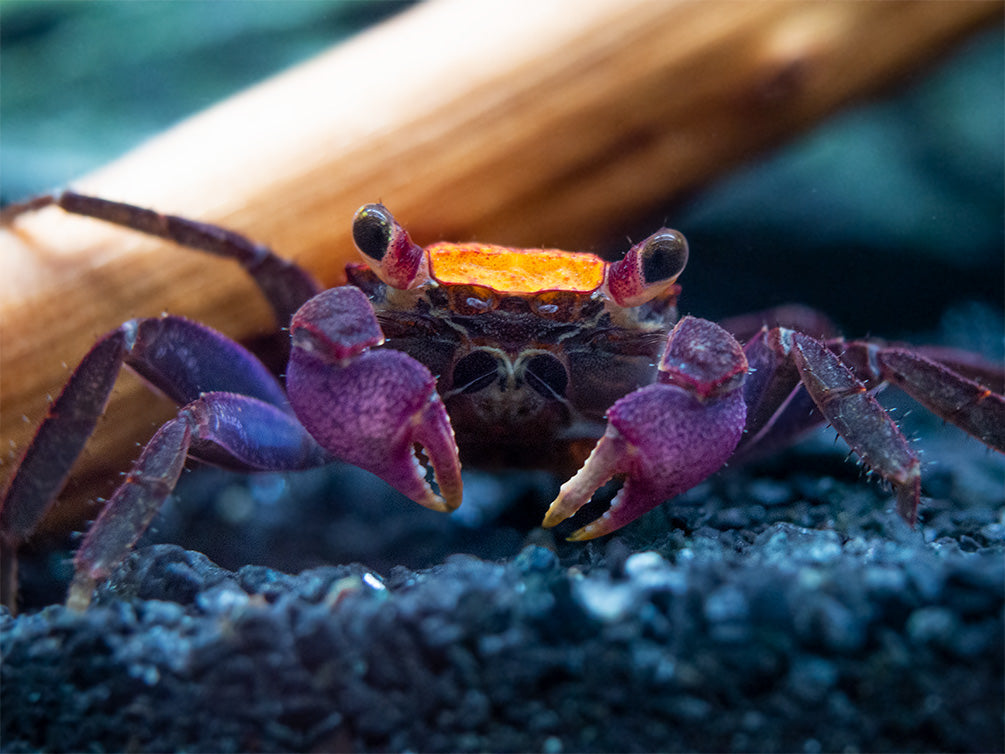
x: 369, y: 407
x: 666, y: 437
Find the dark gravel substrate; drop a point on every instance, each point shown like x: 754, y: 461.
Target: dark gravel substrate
x: 759, y: 614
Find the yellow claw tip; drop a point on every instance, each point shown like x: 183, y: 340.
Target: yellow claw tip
x: 452, y: 501
x: 584, y: 534
x: 81, y: 589
x: 597, y: 528
x: 558, y: 511
x: 435, y: 503
x: 551, y: 519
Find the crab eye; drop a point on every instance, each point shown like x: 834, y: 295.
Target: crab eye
x: 388, y: 249
x: 663, y: 256
x: 649, y: 269
x: 372, y: 229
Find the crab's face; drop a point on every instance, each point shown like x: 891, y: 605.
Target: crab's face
x: 530, y: 346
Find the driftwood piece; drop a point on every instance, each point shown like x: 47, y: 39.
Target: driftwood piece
x: 556, y: 124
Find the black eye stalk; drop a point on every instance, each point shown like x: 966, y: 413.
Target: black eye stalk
x: 388, y: 249
x: 372, y: 230
x: 663, y: 256
x: 649, y: 268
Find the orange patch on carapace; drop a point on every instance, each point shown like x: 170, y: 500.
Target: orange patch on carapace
x: 508, y: 270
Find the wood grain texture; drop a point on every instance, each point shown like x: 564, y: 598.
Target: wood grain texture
x: 555, y: 125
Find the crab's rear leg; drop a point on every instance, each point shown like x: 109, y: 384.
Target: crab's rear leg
x: 228, y: 429
x: 666, y: 437
x: 936, y: 383
x: 798, y: 382
x: 959, y: 386
x: 182, y: 359
x: 285, y: 285
x: 46, y: 463
x: 856, y: 415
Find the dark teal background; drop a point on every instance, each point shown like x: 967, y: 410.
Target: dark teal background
x: 887, y: 216
x: 84, y: 82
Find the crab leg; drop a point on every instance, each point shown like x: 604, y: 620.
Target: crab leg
x: 970, y: 366
x: 956, y: 385
x: 799, y: 382
x: 225, y: 428
x: 858, y: 417
x: 181, y: 358
x: 370, y: 407
x: 777, y: 410
x: 666, y: 437
x: 162, y: 352
x: 285, y: 285
x: 971, y: 406
x: 46, y: 463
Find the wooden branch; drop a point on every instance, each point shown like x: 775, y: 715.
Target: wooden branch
x: 554, y: 124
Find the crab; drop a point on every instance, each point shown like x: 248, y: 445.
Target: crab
x: 490, y: 355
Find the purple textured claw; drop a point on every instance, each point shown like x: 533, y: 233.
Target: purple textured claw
x: 370, y: 408
x: 664, y: 438
x: 336, y: 325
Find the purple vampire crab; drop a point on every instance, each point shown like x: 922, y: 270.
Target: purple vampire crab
x: 492, y: 355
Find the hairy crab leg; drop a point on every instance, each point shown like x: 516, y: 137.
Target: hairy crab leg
x: 129, y: 511
x: 798, y: 382
x: 225, y: 428
x: 285, y: 285
x: 963, y: 402
x: 974, y: 408
x: 666, y: 437
x: 857, y: 416
x: 970, y: 366
x: 370, y: 407
x: 956, y: 385
x: 181, y: 358
x: 46, y: 463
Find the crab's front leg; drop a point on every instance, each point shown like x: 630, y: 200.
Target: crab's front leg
x: 367, y: 406
x: 666, y: 437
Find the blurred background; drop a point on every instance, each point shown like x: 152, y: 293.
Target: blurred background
x: 902, y: 197
x: 888, y: 216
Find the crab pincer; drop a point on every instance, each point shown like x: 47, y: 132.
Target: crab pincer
x: 370, y: 407
x: 666, y: 437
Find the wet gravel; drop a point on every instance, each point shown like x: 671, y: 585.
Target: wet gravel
x: 768, y: 610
